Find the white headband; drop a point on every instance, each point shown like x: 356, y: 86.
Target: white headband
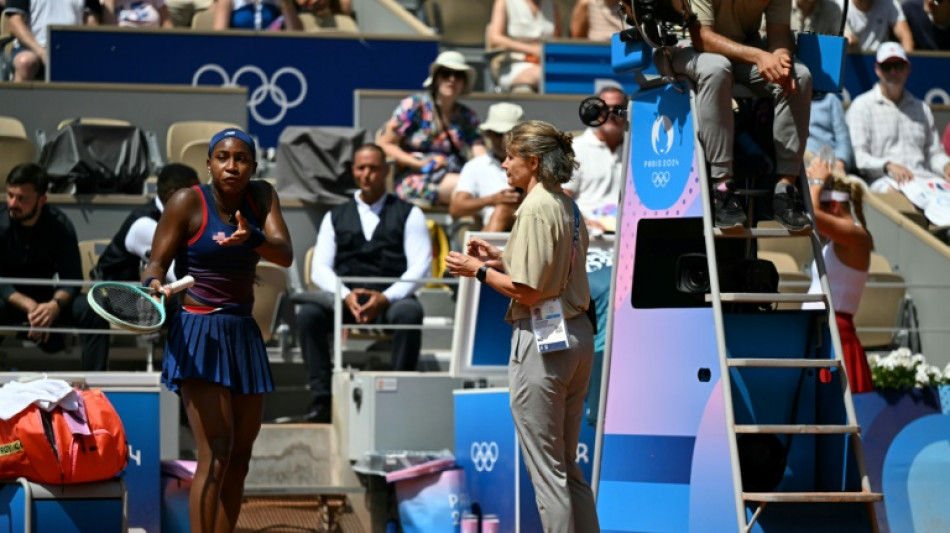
x: 834, y: 196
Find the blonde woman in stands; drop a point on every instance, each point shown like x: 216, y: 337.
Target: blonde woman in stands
x: 596, y: 20
x: 256, y: 15
x: 847, y: 256
x: 431, y: 134
x: 519, y: 26
x: 136, y: 13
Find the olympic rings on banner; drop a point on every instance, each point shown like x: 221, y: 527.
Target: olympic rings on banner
x: 266, y: 89
x: 484, y: 455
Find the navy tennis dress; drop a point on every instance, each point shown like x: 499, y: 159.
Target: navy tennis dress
x: 219, y: 342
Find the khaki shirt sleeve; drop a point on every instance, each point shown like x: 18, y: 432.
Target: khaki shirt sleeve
x: 703, y: 9
x: 529, y: 254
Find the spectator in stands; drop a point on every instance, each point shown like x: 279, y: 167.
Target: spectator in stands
x: 518, y: 27
x: 596, y: 183
x: 432, y: 134
x: 131, y: 246
x: 256, y: 15
x: 929, y: 22
x: 847, y: 256
x: 483, y: 186
x: 37, y: 240
x: 872, y: 22
x: 828, y: 128
x: 596, y: 20
x: 182, y: 11
x: 892, y: 131
x: 136, y: 13
x: 726, y: 49
x: 373, y: 235
x: 815, y: 16
x: 327, y: 7
x: 28, y: 19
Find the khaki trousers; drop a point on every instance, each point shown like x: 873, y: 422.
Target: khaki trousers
x: 547, y: 404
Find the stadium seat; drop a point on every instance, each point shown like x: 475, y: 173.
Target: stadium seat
x: 879, y: 308
x: 182, y: 133
x: 798, y: 247
x: 307, y: 262
x: 89, y: 252
x: 195, y: 155
x: 15, y: 147
x: 879, y: 264
x: 269, y: 291
x: 93, y: 120
x: 459, y: 23
x: 203, y: 20
x: 788, y: 272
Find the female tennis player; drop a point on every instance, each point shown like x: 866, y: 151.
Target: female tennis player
x: 215, y: 356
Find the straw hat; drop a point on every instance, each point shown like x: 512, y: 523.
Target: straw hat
x: 452, y: 60
x: 502, y: 117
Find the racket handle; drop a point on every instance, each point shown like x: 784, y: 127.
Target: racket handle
x: 181, y: 284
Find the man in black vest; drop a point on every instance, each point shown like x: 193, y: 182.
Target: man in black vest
x: 373, y: 235
x: 122, y: 259
x: 37, y: 240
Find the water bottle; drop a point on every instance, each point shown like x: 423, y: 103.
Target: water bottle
x: 827, y: 154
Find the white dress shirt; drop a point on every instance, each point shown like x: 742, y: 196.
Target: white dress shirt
x: 902, y: 132
x: 417, y: 246
x: 482, y: 177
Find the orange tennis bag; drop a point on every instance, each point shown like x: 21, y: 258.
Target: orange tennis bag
x: 64, y: 447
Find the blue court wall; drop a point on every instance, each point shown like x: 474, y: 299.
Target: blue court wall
x: 292, y: 78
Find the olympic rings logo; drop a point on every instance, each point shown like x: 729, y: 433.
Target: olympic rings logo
x: 935, y: 94
x: 266, y: 89
x: 660, y: 178
x: 484, y: 455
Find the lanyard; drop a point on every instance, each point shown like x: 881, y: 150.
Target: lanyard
x: 577, y: 236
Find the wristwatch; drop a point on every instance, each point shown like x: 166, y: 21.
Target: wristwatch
x: 482, y: 272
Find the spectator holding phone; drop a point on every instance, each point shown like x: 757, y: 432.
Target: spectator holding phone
x: 373, y: 235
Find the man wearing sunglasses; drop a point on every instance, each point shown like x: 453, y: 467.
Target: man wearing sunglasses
x: 596, y: 183
x: 896, y: 145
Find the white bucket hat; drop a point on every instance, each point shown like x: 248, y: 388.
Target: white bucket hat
x: 502, y: 117
x: 452, y: 60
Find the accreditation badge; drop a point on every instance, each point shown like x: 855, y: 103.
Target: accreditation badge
x: 549, y: 325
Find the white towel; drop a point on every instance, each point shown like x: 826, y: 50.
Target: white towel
x: 47, y: 394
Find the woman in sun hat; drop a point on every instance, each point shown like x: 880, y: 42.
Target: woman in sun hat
x: 431, y: 134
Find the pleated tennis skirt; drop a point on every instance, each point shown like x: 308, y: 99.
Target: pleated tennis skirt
x: 223, y: 348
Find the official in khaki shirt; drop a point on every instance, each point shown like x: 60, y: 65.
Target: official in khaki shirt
x: 543, y: 260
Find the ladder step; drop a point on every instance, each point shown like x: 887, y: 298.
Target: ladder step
x: 784, y: 363
x: 817, y: 429
x: 758, y: 233
x: 812, y: 497
x: 767, y: 297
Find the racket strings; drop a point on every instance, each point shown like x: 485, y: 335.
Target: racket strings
x: 128, y: 305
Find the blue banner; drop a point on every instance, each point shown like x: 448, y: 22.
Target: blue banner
x: 927, y: 80
x: 139, y: 412
x: 486, y: 446
x: 292, y: 78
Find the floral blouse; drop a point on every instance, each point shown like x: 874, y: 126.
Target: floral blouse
x: 414, y: 121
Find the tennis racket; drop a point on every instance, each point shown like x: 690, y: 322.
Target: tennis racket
x: 131, y: 306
